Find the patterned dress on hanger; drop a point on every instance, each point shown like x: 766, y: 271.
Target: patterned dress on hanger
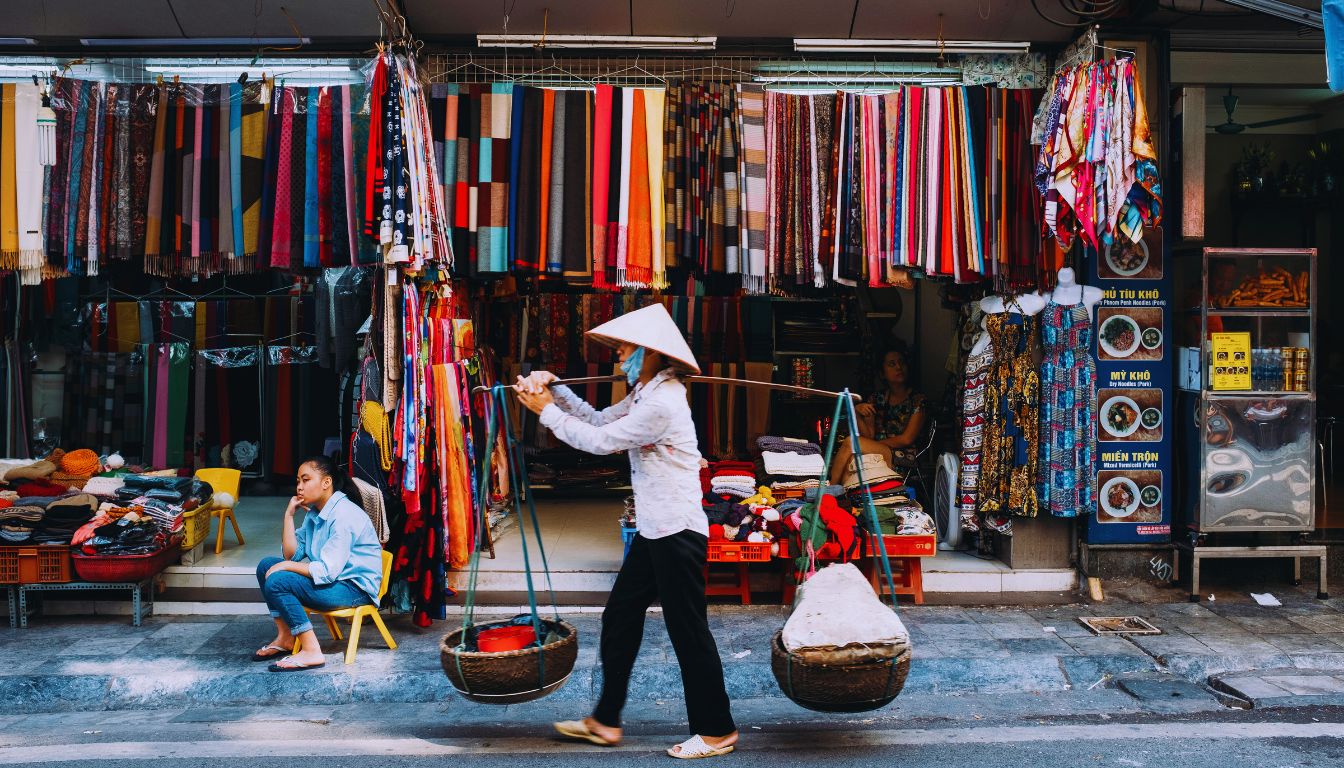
x: 1008, y: 471
x: 1068, y: 423
x: 973, y: 435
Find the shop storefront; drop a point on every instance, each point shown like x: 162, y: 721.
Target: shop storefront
x: 263, y: 270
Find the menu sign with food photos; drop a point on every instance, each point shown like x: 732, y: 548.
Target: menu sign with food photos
x: 1231, y: 360
x: 1134, y: 359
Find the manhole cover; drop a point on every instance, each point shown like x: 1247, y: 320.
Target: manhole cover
x: 1119, y: 625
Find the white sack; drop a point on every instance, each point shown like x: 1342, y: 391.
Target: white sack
x: 837, y: 607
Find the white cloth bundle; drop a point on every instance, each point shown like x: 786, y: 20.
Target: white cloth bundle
x: 793, y: 464
x: 837, y: 608
x: 103, y: 486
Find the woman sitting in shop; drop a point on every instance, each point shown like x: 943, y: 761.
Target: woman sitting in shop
x: 891, y: 421
x: 666, y: 562
x: 333, y: 561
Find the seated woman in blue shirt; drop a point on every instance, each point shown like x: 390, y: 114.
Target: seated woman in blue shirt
x: 332, y: 561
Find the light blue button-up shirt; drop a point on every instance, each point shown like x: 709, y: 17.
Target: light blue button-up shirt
x: 340, y: 543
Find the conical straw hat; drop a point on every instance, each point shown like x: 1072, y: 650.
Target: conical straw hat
x: 652, y: 328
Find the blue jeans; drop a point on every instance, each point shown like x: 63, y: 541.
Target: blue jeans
x: 287, y: 593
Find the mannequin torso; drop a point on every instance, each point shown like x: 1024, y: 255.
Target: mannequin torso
x: 1069, y: 293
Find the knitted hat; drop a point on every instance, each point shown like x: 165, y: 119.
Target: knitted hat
x: 82, y: 462
x: 875, y: 470
x: 652, y: 328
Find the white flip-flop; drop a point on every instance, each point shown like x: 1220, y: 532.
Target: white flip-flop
x: 695, y: 748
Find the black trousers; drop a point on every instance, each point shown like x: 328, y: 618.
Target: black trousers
x: 671, y: 571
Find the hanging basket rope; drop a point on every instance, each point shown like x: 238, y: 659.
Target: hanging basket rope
x: 841, y: 687
x: 508, y: 677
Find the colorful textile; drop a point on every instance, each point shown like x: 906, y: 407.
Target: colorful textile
x: 978, y: 366
x: 1067, y: 477
x: 1008, y: 473
x: 1096, y: 171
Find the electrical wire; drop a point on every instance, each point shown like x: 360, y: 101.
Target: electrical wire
x: 1035, y: 6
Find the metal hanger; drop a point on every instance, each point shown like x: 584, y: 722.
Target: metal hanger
x: 555, y: 67
x: 633, y: 68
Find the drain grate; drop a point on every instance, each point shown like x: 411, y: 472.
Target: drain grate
x: 1119, y: 625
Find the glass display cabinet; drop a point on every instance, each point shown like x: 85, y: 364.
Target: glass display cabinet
x: 1250, y: 411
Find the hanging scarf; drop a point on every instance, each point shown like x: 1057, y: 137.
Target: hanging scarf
x: 752, y: 174
x: 28, y: 189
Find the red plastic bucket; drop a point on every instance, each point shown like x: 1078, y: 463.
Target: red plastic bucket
x: 503, y: 639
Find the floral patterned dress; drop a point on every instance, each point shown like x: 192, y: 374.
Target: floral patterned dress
x: 892, y: 419
x: 1067, y: 467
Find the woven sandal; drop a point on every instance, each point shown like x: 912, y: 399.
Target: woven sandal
x: 577, y: 729
x: 695, y: 748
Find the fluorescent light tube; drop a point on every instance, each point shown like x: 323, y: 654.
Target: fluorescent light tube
x: 845, y: 45
x: 220, y: 70
x: 840, y: 80
x: 191, y: 42
x: 17, y: 41
x: 597, y: 41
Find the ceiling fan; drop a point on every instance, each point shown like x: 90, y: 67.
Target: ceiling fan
x: 1233, y: 127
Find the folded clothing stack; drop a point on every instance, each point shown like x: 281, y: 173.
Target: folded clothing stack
x: 772, y: 444
x: 907, y: 518
x: 105, y: 487
x: 738, y: 486
x: 126, y: 536
x: 18, y: 521
x: 63, y: 517
x: 884, y: 493
x: 779, y: 464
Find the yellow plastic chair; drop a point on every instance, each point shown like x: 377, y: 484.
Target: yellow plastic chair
x: 356, y: 616
x: 223, y: 480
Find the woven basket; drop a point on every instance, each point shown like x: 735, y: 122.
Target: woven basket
x: 510, y: 677
x: 838, y: 687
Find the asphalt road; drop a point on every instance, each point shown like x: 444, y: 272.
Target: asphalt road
x: 1308, y: 736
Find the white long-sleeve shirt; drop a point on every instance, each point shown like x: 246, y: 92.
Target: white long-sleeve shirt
x: 653, y: 424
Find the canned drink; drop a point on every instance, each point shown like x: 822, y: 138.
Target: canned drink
x: 1289, y: 377
x: 1302, y: 357
x: 1300, y: 380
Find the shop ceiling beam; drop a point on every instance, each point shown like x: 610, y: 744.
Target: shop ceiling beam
x: 1245, y: 69
x: 598, y: 42
x: 1303, y: 16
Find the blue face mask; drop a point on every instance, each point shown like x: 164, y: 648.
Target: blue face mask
x: 633, y: 365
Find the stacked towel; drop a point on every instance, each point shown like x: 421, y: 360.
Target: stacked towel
x: 793, y: 464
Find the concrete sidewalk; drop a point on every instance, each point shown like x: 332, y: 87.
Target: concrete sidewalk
x: 63, y: 663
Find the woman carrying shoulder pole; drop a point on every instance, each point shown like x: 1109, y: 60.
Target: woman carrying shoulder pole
x: 667, y: 558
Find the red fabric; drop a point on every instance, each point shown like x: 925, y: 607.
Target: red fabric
x: 324, y: 202
x: 40, y: 488
x: 283, y: 461
x: 840, y: 525
x: 5, y: 503
x: 373, y: 174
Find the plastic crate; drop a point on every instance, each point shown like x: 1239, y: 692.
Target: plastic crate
x: 196, y: 526
x: 628, y: 537
x: 36, y: 564
x: 739, y: 552
x: 125, y: 568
